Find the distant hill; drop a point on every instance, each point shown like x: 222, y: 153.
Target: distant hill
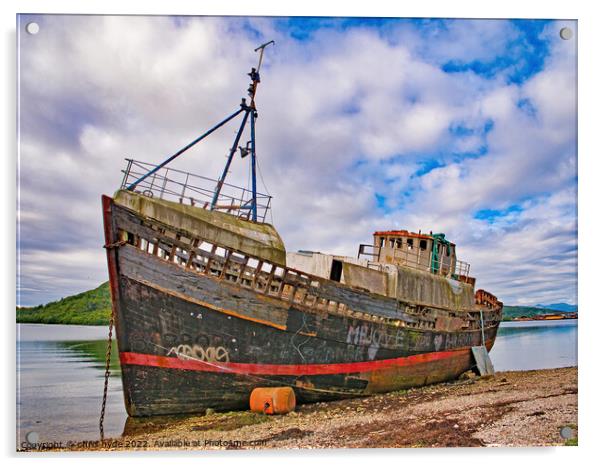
x: 91, y: 307
x: 563, y: 307
x: 511, y: 312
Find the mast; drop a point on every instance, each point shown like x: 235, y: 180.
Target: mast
x: 252, y: 110
x: 250, y: 113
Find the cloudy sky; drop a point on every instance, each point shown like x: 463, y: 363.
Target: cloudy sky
x: 466, y: 127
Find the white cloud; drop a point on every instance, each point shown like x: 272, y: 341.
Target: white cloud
x: 343, y: 116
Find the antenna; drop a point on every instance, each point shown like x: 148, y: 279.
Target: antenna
x: 254, y: 74
x: 261, y: 47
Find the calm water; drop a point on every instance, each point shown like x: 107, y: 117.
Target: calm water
x: 535, y: 345
x: 60, y: 373
x: 60, y: 379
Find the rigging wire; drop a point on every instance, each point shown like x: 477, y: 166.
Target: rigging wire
x: 265, y: 187
x: 261, y: 176
x: 249, y: 175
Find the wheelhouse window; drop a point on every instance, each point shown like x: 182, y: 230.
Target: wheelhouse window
x: 410, y: 243
x: 398, y: 243
x: 423, y: 244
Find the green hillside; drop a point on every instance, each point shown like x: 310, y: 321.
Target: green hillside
x: 511, y: 312
x: 91, y: 307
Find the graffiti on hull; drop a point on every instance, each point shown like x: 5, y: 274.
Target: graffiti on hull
x: 200, y: 353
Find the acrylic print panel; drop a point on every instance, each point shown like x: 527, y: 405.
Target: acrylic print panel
x: 313, y: 228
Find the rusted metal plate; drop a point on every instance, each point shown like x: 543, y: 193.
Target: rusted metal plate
x: 484, y: 364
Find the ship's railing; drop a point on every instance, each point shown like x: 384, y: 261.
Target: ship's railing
x: 416, y: 259
x: 485, y: 298
x: 462, y: 270
x: 368, y: 250
x: 188, y: 188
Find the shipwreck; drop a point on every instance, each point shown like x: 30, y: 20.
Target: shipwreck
x: 208, y: 304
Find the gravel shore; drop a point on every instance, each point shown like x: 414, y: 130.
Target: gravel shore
x: 511, y: 409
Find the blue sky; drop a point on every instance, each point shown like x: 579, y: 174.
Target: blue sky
x: 462, y: 126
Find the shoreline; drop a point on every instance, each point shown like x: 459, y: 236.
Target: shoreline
x: 62, y: 323
x: 515, y: 408
x: 541, y: 320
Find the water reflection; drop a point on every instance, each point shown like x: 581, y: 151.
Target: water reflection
x: 93, y: 353
x: 60, y: 374
x: 535, y: 345
x: 60, y: 378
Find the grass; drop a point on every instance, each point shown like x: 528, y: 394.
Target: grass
x: 91, y: 307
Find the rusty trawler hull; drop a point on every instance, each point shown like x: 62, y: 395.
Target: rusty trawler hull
x: 208, y: 305
x: 200, y: 324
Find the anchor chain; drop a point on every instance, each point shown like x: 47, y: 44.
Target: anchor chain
x: 107, y: 374
x: 116, y: 244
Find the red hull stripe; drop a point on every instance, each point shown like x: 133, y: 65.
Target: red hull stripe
x: 169, y: 362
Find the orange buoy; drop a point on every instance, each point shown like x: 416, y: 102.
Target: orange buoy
x: 273, y: 400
